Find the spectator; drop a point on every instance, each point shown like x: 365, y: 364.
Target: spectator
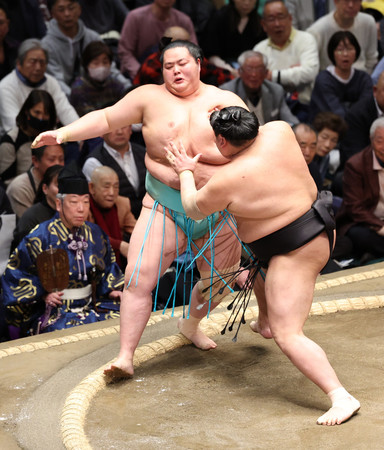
x: 22, y: 190
x: 232, y: 29
x: 44, y: 10
x: 5, y: 205
x: 292, y: 56
x: 306, y: 137
x: 265, y: 98
x: 376, y: 11
x: 126, y: 159
x: 305, y: 12
x: 37, y: 114
x: 361, y: 216
x: 65, y: 41
x: 44, y: 207
x: 26, y: 20
x: 198, y: 11
x: 143, y: 29
x: 103, y: 16
x: 96, y: 88
x: 340, y: 86
x: 30, y: 74
x: 150, y: 71
x: 359, y: 119
x: 8, y: 45
x: 347, y: 17
x: 330, y: 128
x: 94, y: 276
x: 110, y: 211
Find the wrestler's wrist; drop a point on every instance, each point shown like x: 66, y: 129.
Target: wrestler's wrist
x: 185, y: 173
x: 63, y: 135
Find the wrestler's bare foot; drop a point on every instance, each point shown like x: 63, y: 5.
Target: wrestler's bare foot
x: 264, y: 330
x: 342, y: 409
x: 119, y: 370
x: 190, y: 329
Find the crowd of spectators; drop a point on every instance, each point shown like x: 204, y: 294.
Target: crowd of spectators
x: 316, y: 64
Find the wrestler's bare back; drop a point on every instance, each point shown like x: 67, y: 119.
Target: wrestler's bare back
x: 266, y: 186
x: 170, y: 118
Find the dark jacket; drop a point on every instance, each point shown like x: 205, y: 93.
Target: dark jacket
x: 359, y: 119
x: 361, y: 192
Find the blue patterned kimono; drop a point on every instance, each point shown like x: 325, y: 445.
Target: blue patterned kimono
x: 23, y: 292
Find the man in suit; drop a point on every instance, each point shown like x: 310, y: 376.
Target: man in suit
x: 361, y: 216
x: 126, y: 159
x: 359, y: 119
x: 265, y: 98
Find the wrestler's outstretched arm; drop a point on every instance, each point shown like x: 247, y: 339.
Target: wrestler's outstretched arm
x: 191, y: 198
x: 127, y: 111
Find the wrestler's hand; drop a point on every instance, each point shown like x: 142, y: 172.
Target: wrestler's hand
x: 178, y: 158
x: 116, y: 295
x: 51, y: 137
x: 54, y: 299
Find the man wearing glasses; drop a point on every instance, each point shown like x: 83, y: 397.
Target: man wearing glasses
x: 265, y: 98
x: 30, y: 73
x: 347, y: 17
x: 292, y: 54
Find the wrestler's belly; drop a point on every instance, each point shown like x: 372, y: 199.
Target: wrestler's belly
x: 164, y: 173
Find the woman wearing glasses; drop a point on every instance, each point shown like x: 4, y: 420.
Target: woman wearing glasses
x: 340, y: 85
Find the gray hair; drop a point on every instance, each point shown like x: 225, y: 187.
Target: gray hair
x: 378, y: 123
x: 60, y: 196
x: 28, y: 45
x: 248, y: 54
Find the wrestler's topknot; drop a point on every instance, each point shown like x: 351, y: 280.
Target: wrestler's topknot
x: 236, y: 124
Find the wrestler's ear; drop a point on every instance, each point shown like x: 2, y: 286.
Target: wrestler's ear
x: 220, y: 141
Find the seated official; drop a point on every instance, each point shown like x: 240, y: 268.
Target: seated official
x: 110, y: 211
x: 92, y: 291
x: 265, y: 98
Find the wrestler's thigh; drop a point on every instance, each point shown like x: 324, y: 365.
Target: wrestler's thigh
x: 290, y: 282
x: 153, y: 240
x: 226, y: 250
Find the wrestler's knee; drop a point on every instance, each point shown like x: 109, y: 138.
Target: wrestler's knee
x: 215, y: 288
x: 285, y: 339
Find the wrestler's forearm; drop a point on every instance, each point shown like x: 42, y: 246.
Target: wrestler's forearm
x: 91, y: 125
x: 188, y: 195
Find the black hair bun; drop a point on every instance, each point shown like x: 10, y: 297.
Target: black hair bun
x: 226, y: 116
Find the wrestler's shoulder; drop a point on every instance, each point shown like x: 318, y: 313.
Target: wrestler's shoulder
x: 222, y: 97
x: 274, y: 124
x: 147, y: 89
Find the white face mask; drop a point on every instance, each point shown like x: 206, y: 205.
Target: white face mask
x: 100, y: 73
